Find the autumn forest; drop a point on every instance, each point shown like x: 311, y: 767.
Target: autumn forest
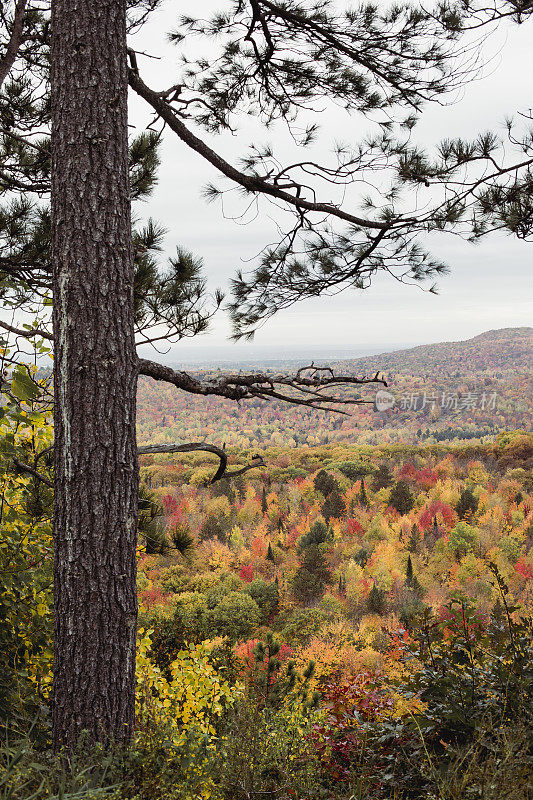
x: 266, y: 577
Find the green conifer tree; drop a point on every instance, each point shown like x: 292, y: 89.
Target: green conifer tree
x: 325, y: 483
x: 362, y: 496
x: 382, y: 478
x: 401, y: 498
x: 414, y: 539
x: 318, y: 534
x: 333, y: 506
x: 467, y: 504
x: 409, y: 572
x: 375, y: 602
x: 312, y: 576
x: 264, y: 504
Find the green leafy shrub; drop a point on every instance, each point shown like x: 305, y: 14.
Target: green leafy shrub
x: 463, y: 539
x: 476, y: 683
x: 267, y: 749
x: 26, y: 556
x: 298, y: 626
x: 266, y: 595
x: 236, y: 616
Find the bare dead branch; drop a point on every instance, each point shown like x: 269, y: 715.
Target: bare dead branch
x: 305, y: 388
x: 257, y: 461
x: 192, y: 447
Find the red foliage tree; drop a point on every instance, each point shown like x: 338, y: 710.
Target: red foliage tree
x: 524, y: 569
x: 353, y: 527
x: 247, y: 573
x: 442, y: 511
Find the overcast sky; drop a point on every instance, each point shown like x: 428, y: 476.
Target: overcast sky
x: 490, y: 284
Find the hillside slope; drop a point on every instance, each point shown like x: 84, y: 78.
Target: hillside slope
x: 504, y: 349
x: 452, y: 390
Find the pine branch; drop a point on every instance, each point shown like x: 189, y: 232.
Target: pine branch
x: 15, y: 40
x: 330, y: 37
x: 252, y: 183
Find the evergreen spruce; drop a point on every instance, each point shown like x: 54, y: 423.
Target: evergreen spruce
x: 333, y: 506
x: 325, y: 483
x: 414, y: 539
x: 409, y: 573
x: 467, y: 504
x: 401, y: 498
x: 376, y: 603
x: 264, y: 504
x: 318, y: 534
x: 313, y: 575
x: 382, y: 478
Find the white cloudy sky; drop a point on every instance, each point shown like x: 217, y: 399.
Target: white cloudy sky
x: 490, y: 283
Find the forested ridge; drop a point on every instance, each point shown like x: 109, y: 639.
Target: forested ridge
x: 472, y: 389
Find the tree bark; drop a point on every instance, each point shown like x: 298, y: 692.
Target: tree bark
x: 95, y: 376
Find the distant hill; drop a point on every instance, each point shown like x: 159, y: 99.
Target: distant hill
x: 466, y: 390
x: 506, y: 348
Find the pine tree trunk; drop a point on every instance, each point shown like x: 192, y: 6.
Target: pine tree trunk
x: 94, y: 376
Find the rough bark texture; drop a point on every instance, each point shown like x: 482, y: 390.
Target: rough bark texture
x: 94, y: 376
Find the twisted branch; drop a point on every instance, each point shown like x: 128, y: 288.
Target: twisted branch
x: 305, y: 388
x: 28, y: 334
x: 192, y: 447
